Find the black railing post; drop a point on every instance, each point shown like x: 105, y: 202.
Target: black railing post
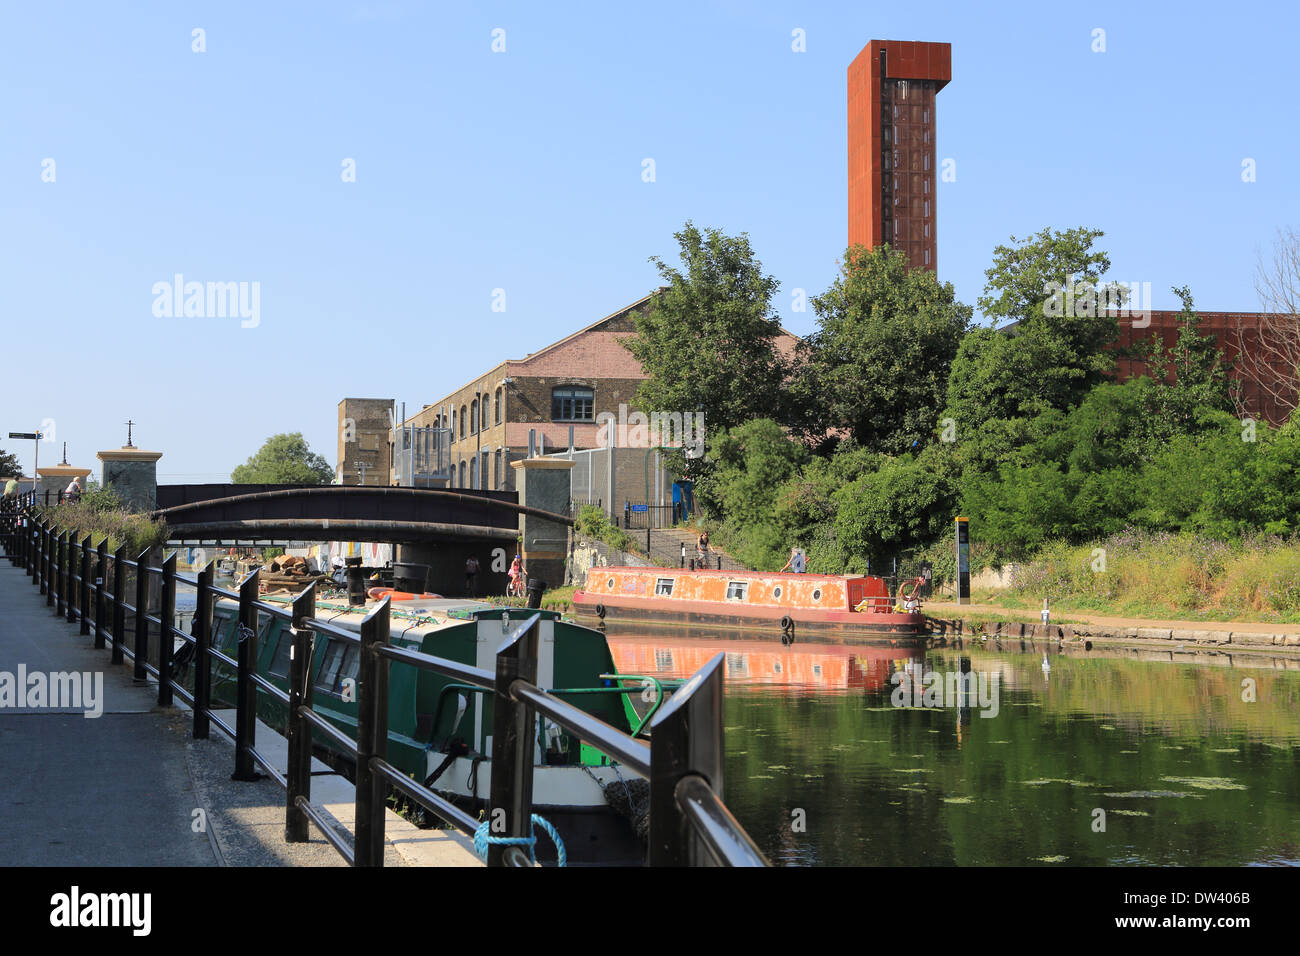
x: 245, y: 689
x: 119, y: 599
x: 101, y: 573
x: 60, y: 570
x: 40, y: 554
x: 372, y: 737
x: 29, y: 563
x: 685, y: 739
x: 166, y: 614
x: 298, y: 771
x: 511, y: 795
x: 48, y: 548
x: 83, y: 597
x: 202, y: 663
x: 141, y: 614
x: 71, y: 584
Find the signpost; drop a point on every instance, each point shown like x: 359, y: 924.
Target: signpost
x: 35, y: 438
x: 963, y: 559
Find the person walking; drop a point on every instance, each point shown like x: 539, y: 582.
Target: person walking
x: 471, y: 575
x: 798, y: 563
x: 702, y: 549
x: 73, y: 491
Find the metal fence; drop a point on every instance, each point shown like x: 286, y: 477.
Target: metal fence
x: 689, y: 824
x: 641, y: 516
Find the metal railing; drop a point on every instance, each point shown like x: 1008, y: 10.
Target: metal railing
x: 689, y: 824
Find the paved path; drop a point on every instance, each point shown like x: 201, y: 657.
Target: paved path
x: 123, y: 788
x: 113, y: 790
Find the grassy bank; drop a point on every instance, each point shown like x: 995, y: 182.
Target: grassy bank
x: 99, y: 514
x: 1141, y: 574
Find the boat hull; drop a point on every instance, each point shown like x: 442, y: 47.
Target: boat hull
x: 839, y: 627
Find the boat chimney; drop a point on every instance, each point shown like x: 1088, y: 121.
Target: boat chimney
x: 356, y: 581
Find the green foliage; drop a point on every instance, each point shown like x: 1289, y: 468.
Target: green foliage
x: 10, y: 467
x: 100, y: 515
x: 1053, y: 356
x: 593, y: 523
x: 1165, y: 575
x: 708, y: 341
x: 889, y: 510
x: 877, y: 367
x: 284, y: 460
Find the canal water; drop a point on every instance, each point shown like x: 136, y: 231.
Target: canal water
x: 1114, y: 757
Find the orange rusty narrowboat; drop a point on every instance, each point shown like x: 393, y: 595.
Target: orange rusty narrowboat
x: 837, y: 608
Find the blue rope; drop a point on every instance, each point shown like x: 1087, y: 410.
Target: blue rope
x: 483, y: 838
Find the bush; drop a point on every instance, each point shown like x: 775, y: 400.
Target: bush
x: 592, y: 522
x: 100, y: 514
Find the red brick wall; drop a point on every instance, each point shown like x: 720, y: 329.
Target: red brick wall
x: 1224, y: 327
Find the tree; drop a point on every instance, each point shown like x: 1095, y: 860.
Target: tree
x: 1200, y: 375
x: 1269, y: 352
x: 877, y: 367
x: 284, y: 460
x: 1057, y: 347
x: 9, y: 464
x: 708, y: 341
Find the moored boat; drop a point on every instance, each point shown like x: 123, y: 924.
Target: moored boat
x: 838, y: 608
x: 440, y: 731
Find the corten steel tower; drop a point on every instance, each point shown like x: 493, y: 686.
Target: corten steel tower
x: 892, y: 87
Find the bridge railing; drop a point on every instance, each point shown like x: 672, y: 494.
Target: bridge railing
x: 689, y: 823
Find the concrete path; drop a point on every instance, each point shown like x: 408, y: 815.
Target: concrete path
x: 948, y: 609
x: 131, y: 787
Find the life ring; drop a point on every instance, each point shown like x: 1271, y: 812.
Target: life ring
x: 600, y: 611
x: 787, y: 623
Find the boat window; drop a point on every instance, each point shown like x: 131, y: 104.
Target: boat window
x: 817, y: 594
x: 610, y: 584
x: 736, y: 590
x: 341, y: 663
x: 663, y: 660
x: 664, y: 586
x: 776, y: 591
x: 280, y: 663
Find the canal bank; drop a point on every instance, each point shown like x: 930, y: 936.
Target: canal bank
x: 1078, y: 628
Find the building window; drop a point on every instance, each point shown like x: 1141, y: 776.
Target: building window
x: 473, y: 416
x: 453, y: 424
x: 572, y: 403
x: 462, y: 421
x: 484, y: 423
x: 461, y: 483
x: 496, y: 471
x: 497, y: 407
x: 473, y: 472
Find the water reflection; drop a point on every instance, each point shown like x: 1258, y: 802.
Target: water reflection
x: 1114, y: 757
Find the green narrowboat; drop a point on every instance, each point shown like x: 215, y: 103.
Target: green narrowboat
x: 440, y: 730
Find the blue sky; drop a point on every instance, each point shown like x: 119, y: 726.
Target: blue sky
x: 522, y: 171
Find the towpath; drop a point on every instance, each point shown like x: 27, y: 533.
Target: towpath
x: 131, y: 787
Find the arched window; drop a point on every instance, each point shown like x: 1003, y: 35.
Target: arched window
x: 473, y: 472
x: 485, y: 410
x: 461, y: 483
x: 572, y: 403
x: 497, y: 406
x: 473, y: 416
x: 453, y: 424
x: 496, y: 466
x: 462, y: 421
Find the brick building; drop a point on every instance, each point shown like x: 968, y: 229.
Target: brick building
x: 365, y: 441
x: 1229, y: 329
x: 892, y: 85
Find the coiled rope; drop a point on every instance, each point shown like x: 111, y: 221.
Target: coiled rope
x: 483, y: 838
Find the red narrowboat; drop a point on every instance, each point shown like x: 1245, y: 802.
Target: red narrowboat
x: 821, y: 607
